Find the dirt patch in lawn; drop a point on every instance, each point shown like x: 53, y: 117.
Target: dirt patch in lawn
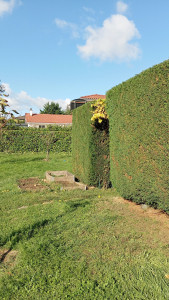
x: 151, y: 223
x: 156, y: 214
x: 32, y: 184
x: 8, y: 258
x: 36, y: 184
x: 65, y: 185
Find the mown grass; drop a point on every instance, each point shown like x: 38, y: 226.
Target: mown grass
x: 75, y: 244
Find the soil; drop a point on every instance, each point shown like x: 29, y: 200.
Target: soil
x: 8, y: 257
x: 32, y: 184
x: 36, y: 184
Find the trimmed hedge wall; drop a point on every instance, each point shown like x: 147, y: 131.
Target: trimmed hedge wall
x: 137, y: 112
x: 90, y: 148
x: 35, y: 140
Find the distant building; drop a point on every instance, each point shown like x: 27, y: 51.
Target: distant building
x: 43, y: 120
x: 20, y: 123
x: 82, y: 100
x: 21, y: 119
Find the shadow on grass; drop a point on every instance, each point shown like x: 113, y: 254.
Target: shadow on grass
x: 23, y: 160
x: 28, y: 232
x: 73, y: 205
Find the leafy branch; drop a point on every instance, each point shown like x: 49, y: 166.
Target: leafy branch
x: 5, y: 116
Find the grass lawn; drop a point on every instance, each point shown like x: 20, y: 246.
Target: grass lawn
x: 57, y: 244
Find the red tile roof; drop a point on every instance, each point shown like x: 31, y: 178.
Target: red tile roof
x: 95, y: 96
x: 47, y: 118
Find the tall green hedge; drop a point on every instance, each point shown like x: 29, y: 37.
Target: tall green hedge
x: 138, y: 121
x: 36, y: 140
x: 90, y: 148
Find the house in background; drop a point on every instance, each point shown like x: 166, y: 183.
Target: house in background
x: 82, y: 100
x: 43, y: 120
x: 21, y: 121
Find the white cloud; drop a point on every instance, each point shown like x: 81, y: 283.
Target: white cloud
x: 61, y: 23
x: 8, y: 6
x: 88, y: 10
x: 112, y: 41
x: 121, y: 7
x: 22, y: 101
x: 67, y: 25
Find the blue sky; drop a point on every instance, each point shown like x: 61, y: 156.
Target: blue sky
x: 59, y: 50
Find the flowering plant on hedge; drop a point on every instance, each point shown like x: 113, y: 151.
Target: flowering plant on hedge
x: 99, y: 112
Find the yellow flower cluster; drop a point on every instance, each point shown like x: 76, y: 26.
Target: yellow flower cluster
x: 99, y: 112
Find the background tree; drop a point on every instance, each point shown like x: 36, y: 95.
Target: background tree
x: 5, y: 116
x: 68, y: 111
x: 49, y: 139
x: 51, y: 108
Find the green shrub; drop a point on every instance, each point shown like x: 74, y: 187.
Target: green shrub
x: 90, y: 148
x: 137, y: 112
x: 35, y: 140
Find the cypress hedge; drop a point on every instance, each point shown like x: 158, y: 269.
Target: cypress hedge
x: 21, y: 139
x: 137, y: 112
x: 90, y: 148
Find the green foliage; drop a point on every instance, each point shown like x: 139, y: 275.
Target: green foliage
x: 5, y: 115
x: 68, y: 111
x: 90, y: 148
x: 54, y: 138
x: 138, y: 111
x: 51, y: 108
